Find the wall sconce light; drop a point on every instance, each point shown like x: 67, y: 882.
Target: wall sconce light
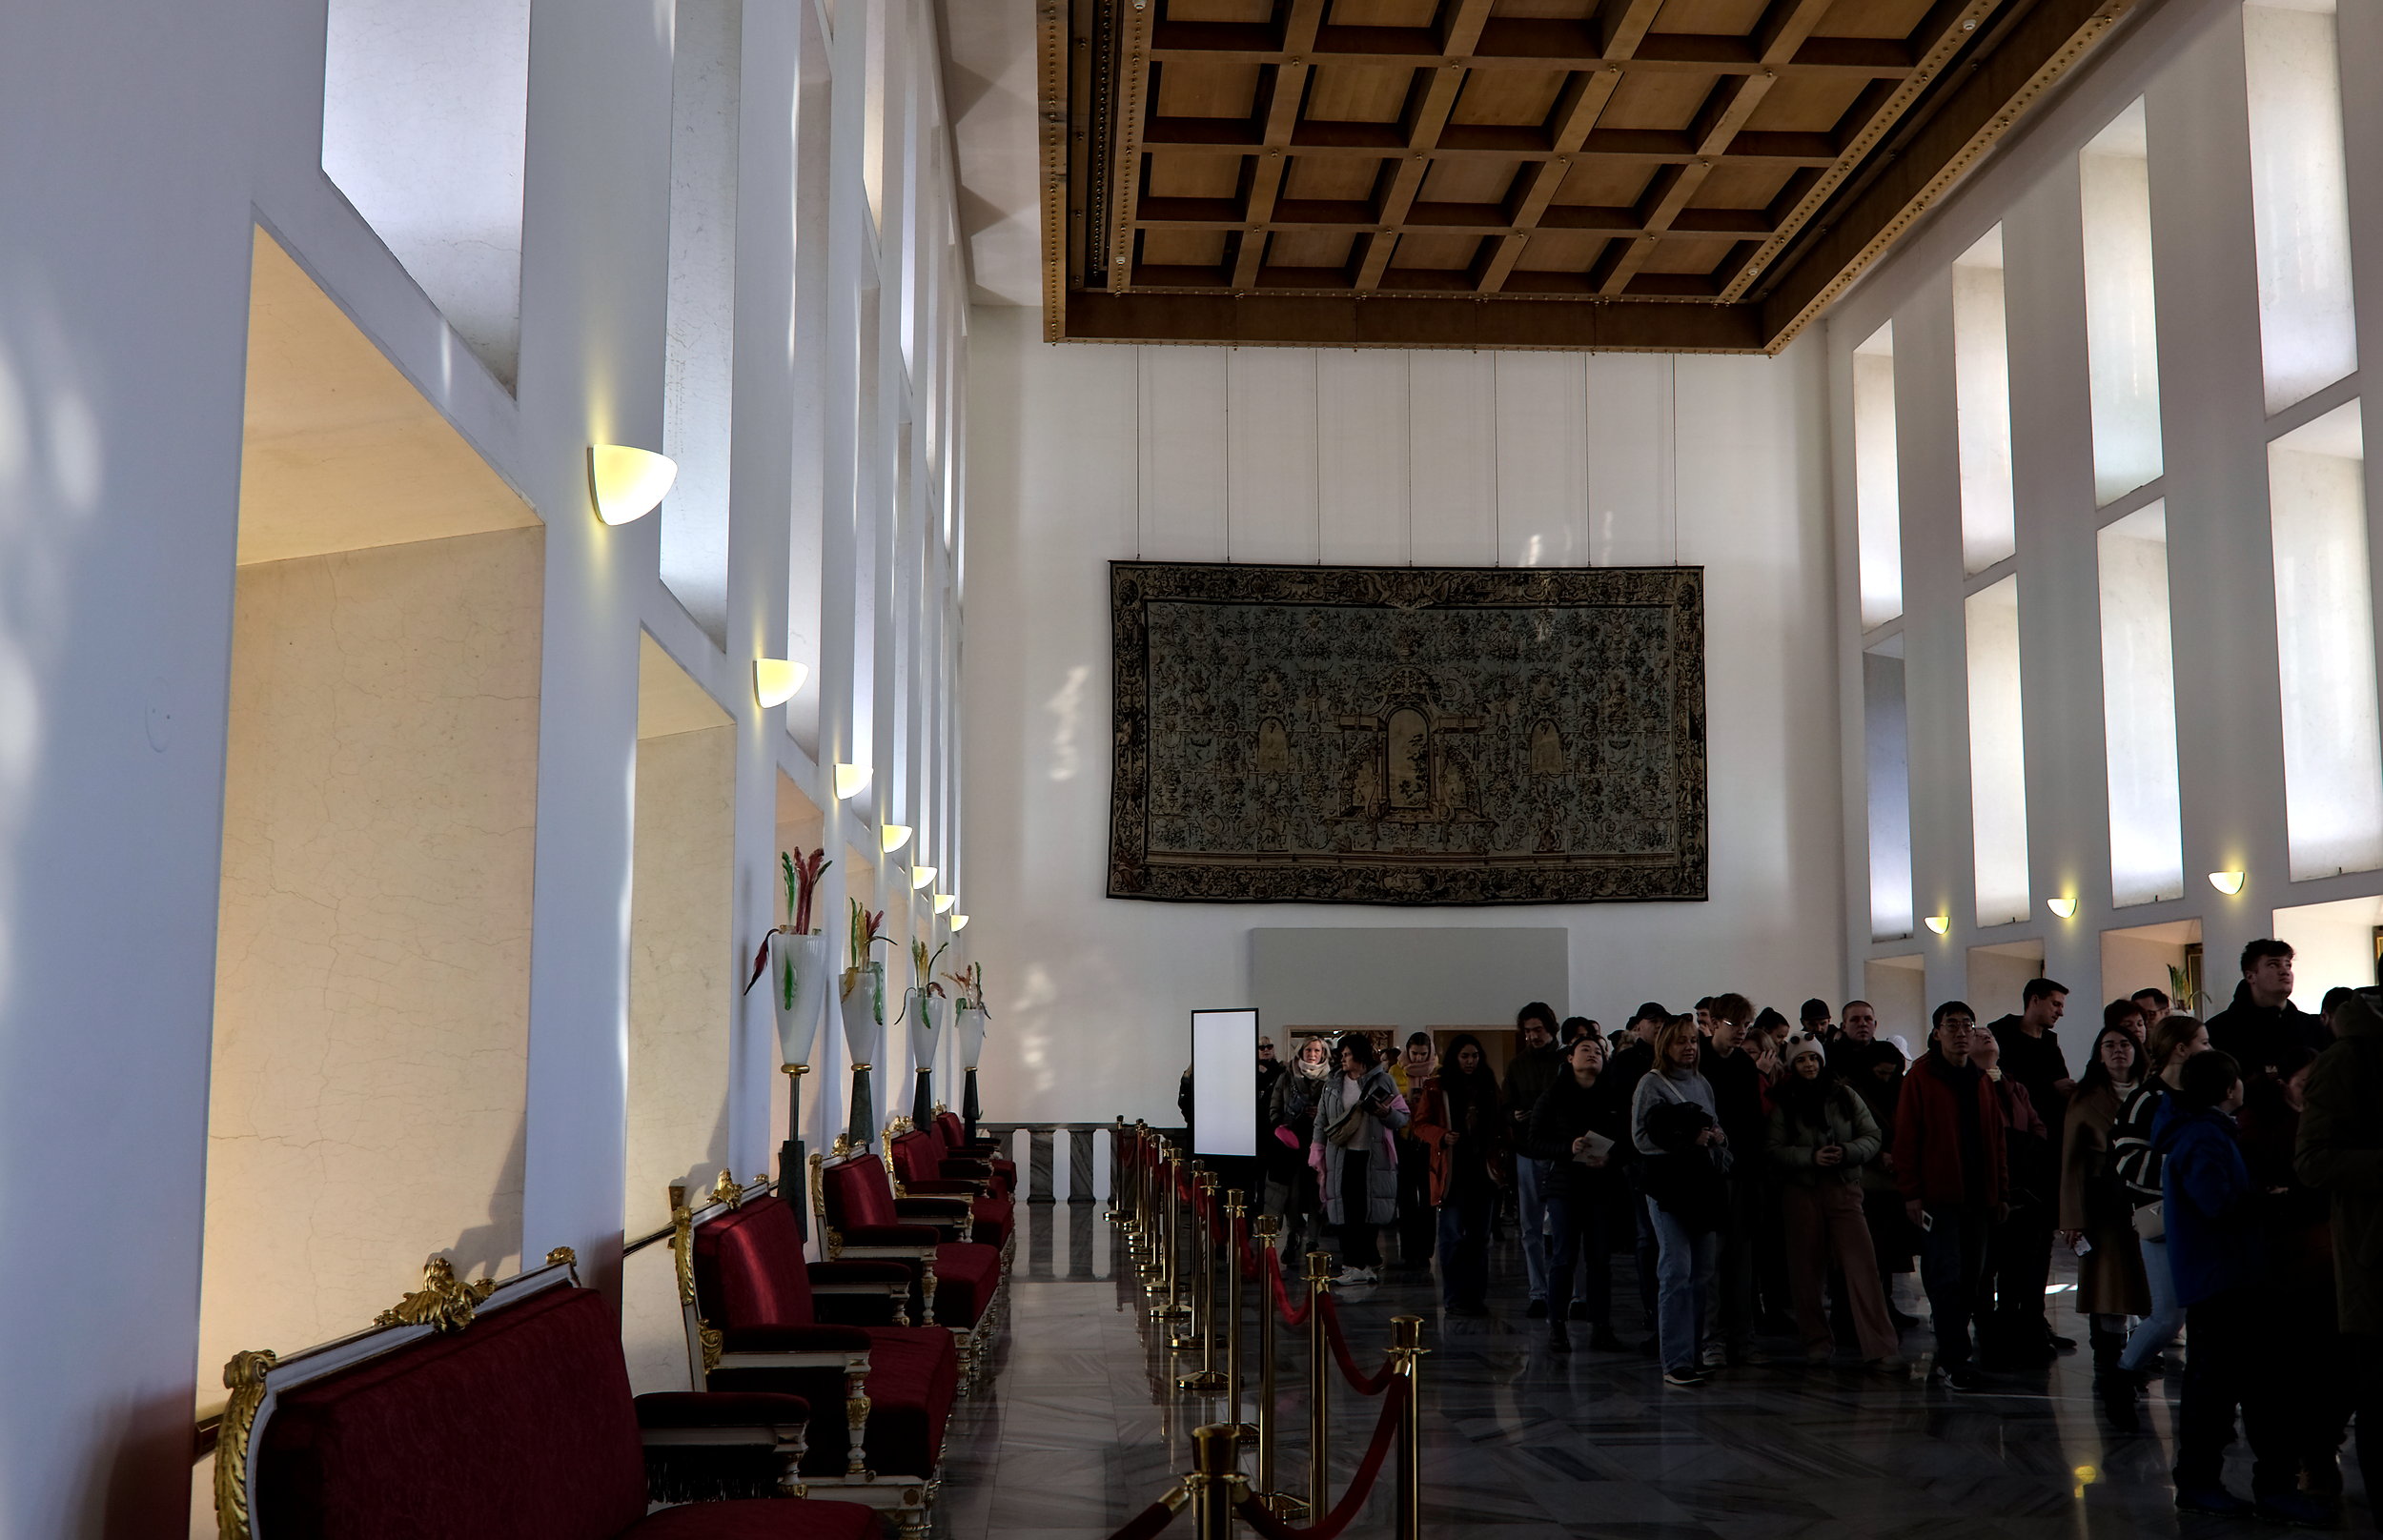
x: 1939, y: 923
x: 851, y: 779
x: 943, y: 902
x: 2065, y: 908
x: 2228, y: 883
x: 894, y: 836
x: 775, y: 681
x: 920, y: 876
x: 959, y: 923
x: 627, y: 483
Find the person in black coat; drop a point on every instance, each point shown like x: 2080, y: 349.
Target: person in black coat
x: 2263, y: 1021
x: 1577, y: 1130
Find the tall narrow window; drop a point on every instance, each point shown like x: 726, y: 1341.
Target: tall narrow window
x: 1878, y: 499
x: 1982, y: 395
x: 706, y: 50
x: 2299, y: 198
x: 1998, y: 755
x: 2324, y: 647
x: 2139, y: 710
x: 1887, y: 762
x: 2122, y: 348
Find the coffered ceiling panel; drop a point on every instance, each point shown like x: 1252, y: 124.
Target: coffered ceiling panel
x: 1675, y: 174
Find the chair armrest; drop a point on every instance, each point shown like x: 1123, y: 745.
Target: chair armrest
x: 963, y: 1169
x: 878, y: 1235
x: 843, y: 1341
x: 828, y: 1273
x: 939, y: 1189
x: 722, y: 1417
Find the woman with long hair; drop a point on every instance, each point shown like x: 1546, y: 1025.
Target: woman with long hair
x: 1458, y: 1119
x: 1674, y: 1125
x: 1355, y: 1163
x: 2176, y: 1038
x: 2094, y: 1210
x: 1291, y: 1194
x: 1576, y: 1130
x: 1823, y: 1135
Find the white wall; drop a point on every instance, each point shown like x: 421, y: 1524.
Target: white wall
x: 1080, y: 454
x: 125, y: 255
x: 2184, y: 62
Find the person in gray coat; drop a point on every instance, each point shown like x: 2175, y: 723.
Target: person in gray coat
x: 1355, y: 1162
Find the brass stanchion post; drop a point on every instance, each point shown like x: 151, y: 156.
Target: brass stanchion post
x: 1214, y: 1474
x: 1200, y: 1330
x: 1319, y: 1279
x: 1406, y: 1340
x: 1268, y: 1226
x: 1236, y: 1209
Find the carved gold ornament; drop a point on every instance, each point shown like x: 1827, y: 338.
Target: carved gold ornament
x: 244, y: 1376
x: 563, y: 1256
x: 726, y: 1190
x: 443, y: 1303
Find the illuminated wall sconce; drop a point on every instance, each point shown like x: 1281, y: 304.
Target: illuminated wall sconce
x: 851, y: 779
x: 2228, y: 883
x: 627, y: 483
x: 894, y: 836
x: 775, y: 681
x: 943, y: 902
x: 1939, y: 923
x: 959, y: 923
x: 920, y: 876
x: 2066, y: 908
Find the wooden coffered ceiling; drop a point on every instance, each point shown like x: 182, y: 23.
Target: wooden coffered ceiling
x: 1675, y: 174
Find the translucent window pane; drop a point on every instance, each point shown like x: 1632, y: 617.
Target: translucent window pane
x: 1887, y: 762
x: 2299, y: 198
x: 425, y: 115
x: 2122, y: 346
x: 1998, y: 755
x: 2139, y: 710
x: 2324, y: 647
x: 1878, y: 499
x: 1981, y: 389
x: 707, y: 49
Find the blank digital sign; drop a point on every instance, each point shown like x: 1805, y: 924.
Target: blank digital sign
x: 1224, y: 1082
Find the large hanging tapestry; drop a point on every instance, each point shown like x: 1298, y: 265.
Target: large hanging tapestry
x: 1408, y: 735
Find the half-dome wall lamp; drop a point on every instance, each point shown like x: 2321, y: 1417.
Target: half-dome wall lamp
x: 627, y: 483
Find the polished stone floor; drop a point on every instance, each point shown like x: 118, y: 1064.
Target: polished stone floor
x: 1083, y: 1427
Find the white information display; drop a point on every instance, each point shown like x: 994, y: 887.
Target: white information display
x: 1224, y: 1082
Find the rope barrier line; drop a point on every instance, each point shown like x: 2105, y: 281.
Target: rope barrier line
x: 1360, y: 1485
x: 1362, y: 1384
x: 1157, y: 1516
x: 1291, y: 1318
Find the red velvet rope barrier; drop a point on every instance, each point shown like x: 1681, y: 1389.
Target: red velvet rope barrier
x: 1363, y: 1384
x: 1360, y: 1485
x: 1294, y: 1319
x: 1146, y: 1523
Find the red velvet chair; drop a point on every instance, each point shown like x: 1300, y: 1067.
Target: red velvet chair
x: 858, y: 1216
x: 754, y: 1323
x: 956, y: 1144
x: 474, y: 1410
x: 921, y: 1170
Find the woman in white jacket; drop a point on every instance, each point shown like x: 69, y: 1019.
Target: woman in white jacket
x: 1355, y: 1162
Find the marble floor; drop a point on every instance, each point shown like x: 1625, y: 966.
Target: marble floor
x: 1083, y: 1427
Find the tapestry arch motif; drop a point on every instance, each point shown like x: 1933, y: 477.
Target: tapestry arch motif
x: 1408, y: 735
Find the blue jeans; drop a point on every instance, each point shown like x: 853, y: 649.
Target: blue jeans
x: 1683, y: 1275
x: 1533, y: 1213
x: 2153, y: 1334
x: 1465, y: 1248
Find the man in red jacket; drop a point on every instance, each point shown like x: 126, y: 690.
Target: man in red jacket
x: 1950, y: 1165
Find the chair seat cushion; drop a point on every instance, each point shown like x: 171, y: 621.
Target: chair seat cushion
x: 792, y: 1518
x: 913, y: 1375
x: 966, y: 1274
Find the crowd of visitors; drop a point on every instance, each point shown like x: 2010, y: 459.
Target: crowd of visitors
x: 2218, y: 1183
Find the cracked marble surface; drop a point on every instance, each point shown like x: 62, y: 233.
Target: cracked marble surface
x: 1083, y: 1426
